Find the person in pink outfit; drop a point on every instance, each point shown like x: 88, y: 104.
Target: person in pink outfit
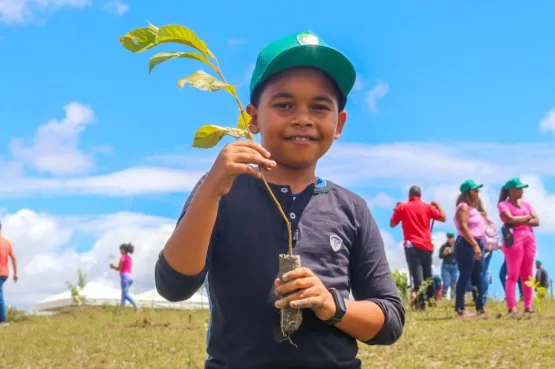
x: 124, y: 269
x: 519, y: 241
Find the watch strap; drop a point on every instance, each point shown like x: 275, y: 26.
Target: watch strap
x: 340, y: 307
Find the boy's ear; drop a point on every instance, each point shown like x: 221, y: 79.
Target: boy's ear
x: 253, y: 112
x: 341, y: 120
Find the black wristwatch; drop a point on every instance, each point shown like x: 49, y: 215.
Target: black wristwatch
x: 340, y: 307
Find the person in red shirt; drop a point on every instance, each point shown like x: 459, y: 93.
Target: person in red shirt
x: 415, y: 217
x: 6, y: 251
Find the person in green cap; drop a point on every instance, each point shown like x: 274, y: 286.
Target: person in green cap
x: 519, y: 241
x: 231, y: 231
x: 449, y: 268
x: 541, y: 275
x: 469, y: 245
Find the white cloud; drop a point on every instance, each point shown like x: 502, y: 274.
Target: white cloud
x: 398, y: 164
x: 378, y: 92
x: 359, y: 84
x: 10, y: 168
x: 13, y: 11
x: 128, y: 182
x: 117, y: 7
x: 381, y: 200
x: 22, y: 11
x: 547, y: 123
x: 394, y: 252
x: 51, y: 248
x: 440, y: 168
x: 54, y: 148
x: 237, y: 41
x: 246, y: 79
x: 542, y: 201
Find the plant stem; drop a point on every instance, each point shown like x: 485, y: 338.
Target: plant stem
x: 276, y: 201
x: 284, y: 216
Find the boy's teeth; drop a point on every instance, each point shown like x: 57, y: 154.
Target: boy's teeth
x: 300, y: 138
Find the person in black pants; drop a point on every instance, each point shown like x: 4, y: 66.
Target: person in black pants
x: 416, y: 217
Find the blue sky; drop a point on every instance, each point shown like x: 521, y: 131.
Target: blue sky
x: 445, y: 91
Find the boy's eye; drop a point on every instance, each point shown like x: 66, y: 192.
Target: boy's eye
x: 283, y: 105
x: 321, y: 107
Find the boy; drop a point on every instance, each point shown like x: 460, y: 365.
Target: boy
x: 231, y: 230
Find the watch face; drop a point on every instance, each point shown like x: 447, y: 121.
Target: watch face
x: 340, y: 308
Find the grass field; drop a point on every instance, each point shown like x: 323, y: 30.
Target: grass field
x: 113, y: 338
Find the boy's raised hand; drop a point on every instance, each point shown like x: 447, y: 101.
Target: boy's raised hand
x: 237, y: 158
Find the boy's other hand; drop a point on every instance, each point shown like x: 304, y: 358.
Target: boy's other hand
x: 306, y: 291
x: 235, y: 159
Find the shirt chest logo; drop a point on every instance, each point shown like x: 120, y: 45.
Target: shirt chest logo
x: 335, y: 242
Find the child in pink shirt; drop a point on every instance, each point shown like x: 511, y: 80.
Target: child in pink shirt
x: 124, y: 268
x: 519, y: 241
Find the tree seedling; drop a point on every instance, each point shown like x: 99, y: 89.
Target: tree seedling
x: 209, y: 135
x: 541, y: 292
x: 75, y: 290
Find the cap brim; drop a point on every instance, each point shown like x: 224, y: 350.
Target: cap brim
x: 325, y: 58
x: 522, y: 186
x: 477, y: 187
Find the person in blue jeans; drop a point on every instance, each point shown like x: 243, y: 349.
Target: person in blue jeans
x: 503, y: 278
x: 486, y: 274
x: 6, y: 252
x: 125, y: 270
x: 3, y: 313
x: 469, y: 245
x: 449, y: 268
x: 206, y: 288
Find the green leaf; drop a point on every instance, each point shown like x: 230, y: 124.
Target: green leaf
x: 182, y: 35
x: 162, y: 57
x: 244, y: 120
x: 209, y: 135
x: 204, y: 81
x: 139, y: 39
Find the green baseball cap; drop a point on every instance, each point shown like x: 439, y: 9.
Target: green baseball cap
x: 469, y: 184
x: 514, y: 183
x: 303, y: 49
x: 450, y: 234
x: 538, y: 261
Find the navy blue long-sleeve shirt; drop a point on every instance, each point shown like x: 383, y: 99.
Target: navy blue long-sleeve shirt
x: 335, y: 236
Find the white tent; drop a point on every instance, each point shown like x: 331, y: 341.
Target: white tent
x: 152, y: 299
x: 95, y: 294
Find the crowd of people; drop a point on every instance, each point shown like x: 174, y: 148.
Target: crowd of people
x: 466, y: 254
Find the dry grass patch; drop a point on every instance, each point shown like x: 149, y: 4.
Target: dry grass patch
x: 113, y: 338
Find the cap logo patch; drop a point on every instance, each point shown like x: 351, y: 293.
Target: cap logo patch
x: 306, y: 39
